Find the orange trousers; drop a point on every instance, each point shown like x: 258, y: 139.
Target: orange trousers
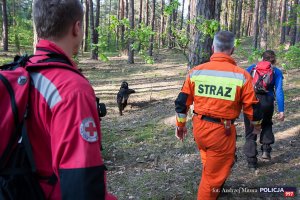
x: 217, y: 152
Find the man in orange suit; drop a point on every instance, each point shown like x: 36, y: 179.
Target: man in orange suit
x: 219, y: 90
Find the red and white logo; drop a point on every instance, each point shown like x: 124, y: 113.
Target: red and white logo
x: 289, y: 194
x: 88, y: 130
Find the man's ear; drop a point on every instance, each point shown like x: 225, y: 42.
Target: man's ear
x: 76, y: 28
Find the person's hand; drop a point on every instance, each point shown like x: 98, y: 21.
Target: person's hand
x: 281, y: 116
x: 180, y: 132
x: 256, y: 129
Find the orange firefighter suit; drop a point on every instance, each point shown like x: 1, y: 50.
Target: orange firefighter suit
x: 219, y: 90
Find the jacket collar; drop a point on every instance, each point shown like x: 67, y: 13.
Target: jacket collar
x: 50, y: 46
x: 222, y: 57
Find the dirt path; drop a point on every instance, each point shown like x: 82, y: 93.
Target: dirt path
x: 145, y: 160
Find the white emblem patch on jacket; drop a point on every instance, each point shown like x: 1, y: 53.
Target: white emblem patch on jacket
x: 88, y: 130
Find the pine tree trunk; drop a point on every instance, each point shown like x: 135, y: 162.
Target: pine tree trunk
x: 35, y: 37
x: 130, y: 41
x: 109, y: 33
x: 162, y: 41
x: 94, y: 53
x: 263, y: 24
x: 170, y: 30
x: 250, y: 21
x: 182, y: 13
x: 231, y: 16
x: 141, y: 12
x: 218, y: 6
x: 235, y: 16
x: 244, y: 21
x: 226, y: 15
x: 140, y: 21
x: 16, y: 34
x: 239, y: 21
x: 147, y: 13
x: 174, y: 21
x: 294, y: 25
x: 298, y: 30
x: 282, y: 22
x: 152, y: 27
x: 201, y: 46
x: 188, y: 29
x: 86, y: 26
x: 5, y: 26
x: 193, y: 14
x: 255, y: 25
x: 127, y: 9
x: 97, y: 23
x: 270, y: 18
x: 122, y: 15
x: 289, y: 16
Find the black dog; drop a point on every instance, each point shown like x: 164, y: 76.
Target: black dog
x: 123, y: 96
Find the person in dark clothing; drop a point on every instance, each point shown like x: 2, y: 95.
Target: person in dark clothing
x: 267, y: 105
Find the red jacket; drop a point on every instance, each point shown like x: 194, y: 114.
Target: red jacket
x: 64, y: 130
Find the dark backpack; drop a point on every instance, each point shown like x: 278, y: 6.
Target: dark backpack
x: 262, y: 74
x: 18, y: 177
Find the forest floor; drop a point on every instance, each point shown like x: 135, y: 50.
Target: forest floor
x: 143, y: 157
x: 146, y: 161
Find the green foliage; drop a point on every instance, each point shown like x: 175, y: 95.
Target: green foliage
x: 280, y: 54
x: 148, y: 59
x: 21, y: 34
x: 255, y: 55
x: 75, y: 59
x: 141, y: 36
x: 103, y: 57
x: 208, y: 27
x: 107, y: 37
x: 237, y: 43
x: 292, y: 57
x: 182, y: 38
x: 172, y: 6
x: 5, y: 60
x: 288, y: 59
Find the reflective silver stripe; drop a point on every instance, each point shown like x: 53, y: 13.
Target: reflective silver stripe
x: 180, y: 115
x: 46, y: 88
x: 218, y: 74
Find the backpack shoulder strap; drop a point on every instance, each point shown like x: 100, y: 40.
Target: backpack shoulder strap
x: 53, y: 57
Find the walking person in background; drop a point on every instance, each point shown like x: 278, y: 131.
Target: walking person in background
x: 267, y: 82
x: 219, y: 90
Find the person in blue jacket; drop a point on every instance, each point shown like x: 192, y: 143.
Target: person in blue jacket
x: 267, y: 106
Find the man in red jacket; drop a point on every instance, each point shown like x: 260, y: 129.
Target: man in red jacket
x: 63, y: 124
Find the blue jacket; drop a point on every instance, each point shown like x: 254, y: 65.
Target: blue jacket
x: 276, y: 86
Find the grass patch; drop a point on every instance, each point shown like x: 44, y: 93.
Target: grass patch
x: 293, y: 92
x: 5, y: 60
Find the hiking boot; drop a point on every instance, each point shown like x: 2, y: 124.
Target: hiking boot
x: 266, y: 155
x: 252, y: 167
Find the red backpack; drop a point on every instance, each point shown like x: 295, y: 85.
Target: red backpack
x: 18, y: 178
x: 262, y: 74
